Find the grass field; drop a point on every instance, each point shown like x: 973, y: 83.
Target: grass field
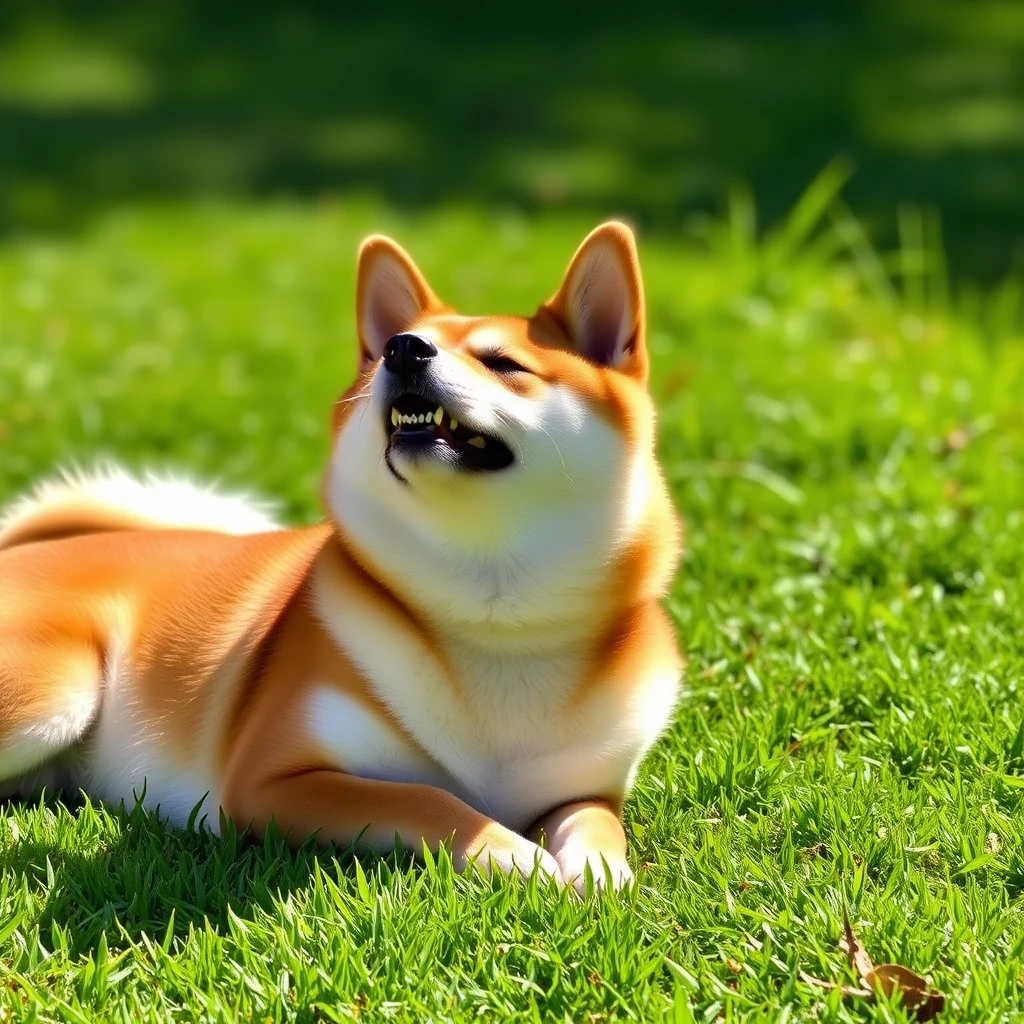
x: 844, y: 436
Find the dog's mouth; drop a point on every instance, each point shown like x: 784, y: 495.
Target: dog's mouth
x: 419, y: 427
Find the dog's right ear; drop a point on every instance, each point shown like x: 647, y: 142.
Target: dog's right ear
x: 391, y: 294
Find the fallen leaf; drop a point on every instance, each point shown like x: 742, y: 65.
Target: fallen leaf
x: 922, y: 1001
x: 855, y: 952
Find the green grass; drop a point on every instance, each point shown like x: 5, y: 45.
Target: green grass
x: 844, y: 438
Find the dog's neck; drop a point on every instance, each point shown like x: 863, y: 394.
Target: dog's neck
x: 545, y: 587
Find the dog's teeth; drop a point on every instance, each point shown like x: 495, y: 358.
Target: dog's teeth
x: 455, y: 424
x: 394, y: 417
x: 478, y: 442
x: 438, y: 415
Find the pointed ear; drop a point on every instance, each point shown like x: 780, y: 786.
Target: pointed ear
x: 601, y: 300
x: 391, y: 294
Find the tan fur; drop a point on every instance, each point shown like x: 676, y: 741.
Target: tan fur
x: 312, y: 677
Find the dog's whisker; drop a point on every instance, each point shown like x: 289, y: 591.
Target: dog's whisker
x: 354, y: 398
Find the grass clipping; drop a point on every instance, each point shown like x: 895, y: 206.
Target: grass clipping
x: 921, y: 1001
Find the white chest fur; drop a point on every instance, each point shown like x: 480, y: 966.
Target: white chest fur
x: 501, y: 730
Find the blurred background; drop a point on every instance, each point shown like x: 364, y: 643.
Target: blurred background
x: 652, y: 111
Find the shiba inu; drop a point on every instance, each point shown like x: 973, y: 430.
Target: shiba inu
x: 469, y: 650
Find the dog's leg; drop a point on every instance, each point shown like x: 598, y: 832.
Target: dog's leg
x: 50, y: 691
x: 343, y: 809
x: 582, y: 833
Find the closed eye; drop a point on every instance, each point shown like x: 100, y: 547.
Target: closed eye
x: 499, y: 363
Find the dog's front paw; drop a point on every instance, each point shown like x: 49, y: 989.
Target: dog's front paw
x: 500, y: 849
x: 606, y: 872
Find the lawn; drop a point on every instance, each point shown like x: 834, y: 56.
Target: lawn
x: 843, y: 432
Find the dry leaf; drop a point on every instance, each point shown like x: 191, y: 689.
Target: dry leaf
x: 917, y: 997
x: 855, y: 952
x: 733, y: 965
x: 922, y: 1002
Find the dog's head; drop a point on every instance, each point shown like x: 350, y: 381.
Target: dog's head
x: 497, y: 440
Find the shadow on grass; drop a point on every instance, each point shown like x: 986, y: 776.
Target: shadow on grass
x: 649, y: 112
x: 144, y: 876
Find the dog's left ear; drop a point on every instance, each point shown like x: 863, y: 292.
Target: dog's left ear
x: 600, y: 303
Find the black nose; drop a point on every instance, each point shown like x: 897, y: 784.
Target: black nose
x: 405, y: 352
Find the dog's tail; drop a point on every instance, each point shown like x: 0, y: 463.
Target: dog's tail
x: 110, y: 499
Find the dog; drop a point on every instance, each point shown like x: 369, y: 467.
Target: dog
x: 470, y: 650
